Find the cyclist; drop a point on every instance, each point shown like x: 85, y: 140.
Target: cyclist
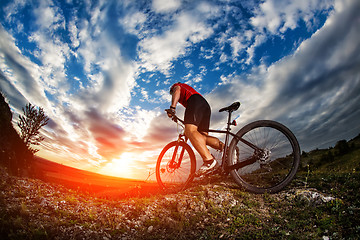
x: 197, y: 122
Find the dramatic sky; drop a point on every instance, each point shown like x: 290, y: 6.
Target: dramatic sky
x: 101, y: 70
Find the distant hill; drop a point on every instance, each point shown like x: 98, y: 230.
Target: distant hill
x: 343, y: 157
x: 94, y: 183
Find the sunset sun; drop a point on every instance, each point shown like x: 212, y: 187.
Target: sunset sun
x: 120, y: 167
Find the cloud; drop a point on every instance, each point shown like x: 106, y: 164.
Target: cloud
x: 134, y: 22
x: 48, y: 16
x: 20, y: 75
x: 113, y: 93
x: 160, y: 132
x: 270, y: 18
x: 110, y: 76
x: 279, y: 16
x: 163, y: 6
x: 11, y: 10
x: 107, y: 136
x: 74, y: 33
x: 324, y: 82
x: 136, y: 122
x: 163, y: 95
x: 190, y: 27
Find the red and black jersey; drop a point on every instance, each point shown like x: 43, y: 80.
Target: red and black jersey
x: 185, y: 93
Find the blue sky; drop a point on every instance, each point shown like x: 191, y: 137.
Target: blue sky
x: 101, y: 70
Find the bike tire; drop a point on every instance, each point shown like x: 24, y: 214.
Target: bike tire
x: 175, y: 178
x: 273, y: 170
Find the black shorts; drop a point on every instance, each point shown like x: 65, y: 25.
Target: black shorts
x: 198, y: 112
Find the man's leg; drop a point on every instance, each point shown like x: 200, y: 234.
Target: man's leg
x: 214, y: 142
x: 198, y: 140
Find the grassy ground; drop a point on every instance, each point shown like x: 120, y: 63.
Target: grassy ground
x: 323, y: 202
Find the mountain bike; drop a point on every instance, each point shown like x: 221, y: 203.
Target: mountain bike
x: 263, y: 156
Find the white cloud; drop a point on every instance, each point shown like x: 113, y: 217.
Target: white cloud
x: 274, y: 18
x: 51, y: 51
x: 22, y: 74
x: 163, y: 6
x: 189, y: 28
x: 136, y: 122
x: 110, y: 77
x: 164, y: 95
x: 12, y: 9
x: 133, y: 23
x: 74, y: 33
x: 49, y: 16
x: 237, y: 44
x: 277, y: 16
x: 115, y: 92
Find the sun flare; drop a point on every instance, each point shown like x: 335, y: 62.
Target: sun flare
x: 120, y: 167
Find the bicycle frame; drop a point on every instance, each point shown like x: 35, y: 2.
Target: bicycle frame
x: 227, y: 133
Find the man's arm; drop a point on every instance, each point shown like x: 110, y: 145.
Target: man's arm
x: 174, y: 100
x: 175, y: 96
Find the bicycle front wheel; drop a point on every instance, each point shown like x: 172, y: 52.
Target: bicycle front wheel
x: 270, y: 153
x: 176, y: 166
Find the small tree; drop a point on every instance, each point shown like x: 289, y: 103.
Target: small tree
x: 30, y: 124
x: 342, y: 147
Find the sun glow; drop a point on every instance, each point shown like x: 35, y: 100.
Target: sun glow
x: 120, y: 167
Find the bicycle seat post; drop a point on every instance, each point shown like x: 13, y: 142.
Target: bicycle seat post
x: 228, y: 129
x: 229, y: 121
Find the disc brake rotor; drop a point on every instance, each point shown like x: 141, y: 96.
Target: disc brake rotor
x: 264, y: 156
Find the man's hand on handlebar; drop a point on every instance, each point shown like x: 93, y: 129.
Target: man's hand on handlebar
x: 171, y: 114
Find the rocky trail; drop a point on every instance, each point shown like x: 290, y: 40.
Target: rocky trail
x: 212, y: 209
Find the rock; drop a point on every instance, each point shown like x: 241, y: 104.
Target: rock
x: 312, y: 196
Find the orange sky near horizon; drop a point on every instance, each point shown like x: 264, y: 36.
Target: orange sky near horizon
x: 131, y: 165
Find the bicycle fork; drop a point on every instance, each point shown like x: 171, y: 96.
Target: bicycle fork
x: 173, y: 163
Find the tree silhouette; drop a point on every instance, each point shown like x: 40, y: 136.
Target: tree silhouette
x: 342, y: 147
x: 30, y: 124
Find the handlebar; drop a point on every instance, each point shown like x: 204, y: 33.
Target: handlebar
x: 174, y: 117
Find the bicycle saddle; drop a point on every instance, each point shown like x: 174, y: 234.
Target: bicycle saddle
x: 231, y: 108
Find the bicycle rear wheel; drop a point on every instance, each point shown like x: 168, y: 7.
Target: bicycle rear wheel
x: 175, y: 166
x: 272, y: 167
